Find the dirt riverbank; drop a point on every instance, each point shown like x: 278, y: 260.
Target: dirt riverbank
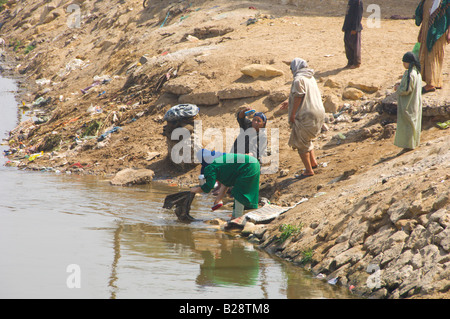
x: 372, y: 216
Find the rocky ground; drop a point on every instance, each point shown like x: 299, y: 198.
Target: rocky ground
x: 100, y: 76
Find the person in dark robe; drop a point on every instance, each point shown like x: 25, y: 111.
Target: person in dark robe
x: 253, y: 139
x: 352, y: 33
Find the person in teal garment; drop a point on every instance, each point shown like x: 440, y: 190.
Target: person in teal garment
x: 239, y: 171
x: 409, y: 107
x: 434, y: 18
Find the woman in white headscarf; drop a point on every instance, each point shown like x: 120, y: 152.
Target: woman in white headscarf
x: 305, y: 114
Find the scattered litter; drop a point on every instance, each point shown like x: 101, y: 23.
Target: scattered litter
x: 343, y: 118
x: 345, y: 108
x: 94, y: 109
x: 184, y: 17
x: 85, y: 90
x: 333, y: 281
x: 104, y: 135
x: 167, y: 15
x: 70, y: 121
x: 115, y: 118
x: 91, y: 128
x: 443, y: 125
x: 32, y: 157
x: 251, y: 21
x: 41, y: 101
x: 71, y: 66
x: 79, y: 165
x: 98, y: 80
x: 42, y: 81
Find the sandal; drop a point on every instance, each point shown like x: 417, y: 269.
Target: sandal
x: 302, y: 176
x: 425, y: 90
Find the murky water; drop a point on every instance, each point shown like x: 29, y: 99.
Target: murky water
x: 68, y: 236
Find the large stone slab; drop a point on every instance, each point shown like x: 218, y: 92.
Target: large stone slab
x: 130, y: 176
x: 261, y: 70
x: 432, y: 105
x: 199, y: 98
x: 240, y: 91
x: 367, y: 88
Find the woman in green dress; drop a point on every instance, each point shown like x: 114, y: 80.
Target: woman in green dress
x: 239, y: 171
x: 409, y: 109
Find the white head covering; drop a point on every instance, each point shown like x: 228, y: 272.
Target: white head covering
x: 297, y: 64
x: 435, y: 6
x: 300, y: 67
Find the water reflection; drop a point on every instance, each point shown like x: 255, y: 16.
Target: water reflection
x: 203, y: 258
x: 232, y: 266
x: 204, y: 263
x: 222, y: 260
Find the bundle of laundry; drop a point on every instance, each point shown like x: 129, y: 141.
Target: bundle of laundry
x: 182, y: 202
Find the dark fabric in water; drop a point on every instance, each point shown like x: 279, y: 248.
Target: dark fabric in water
x: 182, y: 202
